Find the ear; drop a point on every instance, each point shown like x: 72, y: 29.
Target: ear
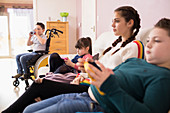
x: 43, y: 30
x: 130, y: 23
x: 87, y: 48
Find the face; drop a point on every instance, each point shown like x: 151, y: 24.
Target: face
x: 39, y: 30
x: 120, y: 26
x: 82, y: 51
x: 158, y: 47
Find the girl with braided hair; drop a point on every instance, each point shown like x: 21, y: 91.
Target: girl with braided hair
x: 126, y: 25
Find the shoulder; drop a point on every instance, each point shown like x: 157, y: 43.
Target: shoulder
x: 135, y: 47
x: 131, y: 47
x: 87, y: 56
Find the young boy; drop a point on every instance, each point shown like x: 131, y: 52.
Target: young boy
x: 135, y: 86
x: 38, y: 40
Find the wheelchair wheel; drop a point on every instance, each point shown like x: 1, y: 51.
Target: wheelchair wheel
x: 41, y: 62
x: 27, y: 84
x: 16, y: 83
x: 27, y: 87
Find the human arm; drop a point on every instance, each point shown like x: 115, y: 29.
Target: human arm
x: 42, y: 40
x: 69, y: 62
x: 29, y: 42
x: 156, y: 97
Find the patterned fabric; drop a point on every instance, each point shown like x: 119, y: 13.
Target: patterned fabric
x: 85, y: 82
x: 140, y: 49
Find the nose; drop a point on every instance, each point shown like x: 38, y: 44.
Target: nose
x: 113, y: 24
x: 149, y: 44
x: 77, y: 50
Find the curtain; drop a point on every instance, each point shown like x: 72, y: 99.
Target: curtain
x: 21, y: 23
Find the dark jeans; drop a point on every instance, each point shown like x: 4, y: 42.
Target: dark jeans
x: 57, y: 64
x: 44, y: 90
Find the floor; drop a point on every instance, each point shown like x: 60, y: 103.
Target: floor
x: 8, y: 92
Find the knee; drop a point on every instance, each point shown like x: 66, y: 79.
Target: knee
x: 28, y: 109
x: 71, y: 105
x: 18, y: 57
x: 54, y: 56
x: 23, y: 58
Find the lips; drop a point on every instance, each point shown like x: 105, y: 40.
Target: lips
x: 114, y: 30
x: 148, y: 52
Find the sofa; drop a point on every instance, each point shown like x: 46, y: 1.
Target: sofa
x: 102, y: 42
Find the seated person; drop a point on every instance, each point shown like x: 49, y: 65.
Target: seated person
x: 135, y: 86
x: 51, y: 85
x: 65, y: 65
x: 38, y: 40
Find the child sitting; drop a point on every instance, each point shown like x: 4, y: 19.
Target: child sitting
x: 135, y: 86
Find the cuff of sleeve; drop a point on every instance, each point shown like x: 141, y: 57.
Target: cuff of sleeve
x: 110, y: 85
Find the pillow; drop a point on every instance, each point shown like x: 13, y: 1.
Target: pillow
x: 103, y: 41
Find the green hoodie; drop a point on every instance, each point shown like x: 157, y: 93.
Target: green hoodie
x: 136, y: 87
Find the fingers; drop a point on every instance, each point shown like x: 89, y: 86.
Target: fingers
x: 80, y: 62
x: 37, y: 99
x: 89, y: 60
x: 98, y: 77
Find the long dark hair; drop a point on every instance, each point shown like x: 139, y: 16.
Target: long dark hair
x: 128, y: 13
x: 84, y: 42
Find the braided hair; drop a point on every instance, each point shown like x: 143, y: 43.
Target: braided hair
x: 128, y: 13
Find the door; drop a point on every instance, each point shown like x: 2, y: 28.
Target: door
x: 89, y: 19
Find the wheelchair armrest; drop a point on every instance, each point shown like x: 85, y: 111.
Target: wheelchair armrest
x: 30, y: 50
x: 42, y: 52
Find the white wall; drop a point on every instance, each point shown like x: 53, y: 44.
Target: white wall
x: 45, y: 9
x: 150, y: 12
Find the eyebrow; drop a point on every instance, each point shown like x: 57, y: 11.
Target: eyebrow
x: 154, y: 37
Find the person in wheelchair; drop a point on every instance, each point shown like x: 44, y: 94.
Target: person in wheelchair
x: 38, y: 40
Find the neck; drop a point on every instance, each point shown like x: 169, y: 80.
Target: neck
x: 126, y: 36
x: 166, y: 65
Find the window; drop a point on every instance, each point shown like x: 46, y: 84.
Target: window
x: 13, y: 39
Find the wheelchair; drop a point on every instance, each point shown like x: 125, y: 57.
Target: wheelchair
x: 38, y: 61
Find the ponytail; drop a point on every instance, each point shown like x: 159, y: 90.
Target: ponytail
x: 90, y: 45
x: 84, y: 42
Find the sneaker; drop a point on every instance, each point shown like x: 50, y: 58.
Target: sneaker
x: 17, y: 76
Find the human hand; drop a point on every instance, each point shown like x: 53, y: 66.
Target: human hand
x: 77, y: 80
x: 36, y: 32
x: 98, y: 76
x: 39, y: 80
x: 38, y: 99
x: 68, y: 61
x: 80, y: 63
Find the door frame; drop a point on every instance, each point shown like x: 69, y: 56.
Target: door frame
x: 93, y: 27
